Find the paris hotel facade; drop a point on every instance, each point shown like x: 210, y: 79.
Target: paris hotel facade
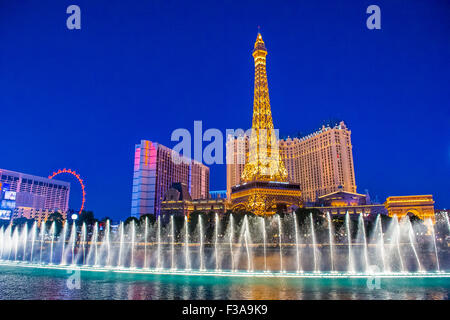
x: 322, y: 162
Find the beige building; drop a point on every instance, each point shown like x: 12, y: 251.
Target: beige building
x: 321, y: 162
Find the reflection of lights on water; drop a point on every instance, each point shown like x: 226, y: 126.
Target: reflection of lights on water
x: 392, y: 275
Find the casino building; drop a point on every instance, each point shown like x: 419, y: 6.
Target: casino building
x: 36, y: 197
x: 156, y: 168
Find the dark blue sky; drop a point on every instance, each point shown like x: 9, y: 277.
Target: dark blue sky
x: 140, y: 69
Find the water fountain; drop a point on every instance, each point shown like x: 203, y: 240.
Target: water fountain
x: 267, y: 246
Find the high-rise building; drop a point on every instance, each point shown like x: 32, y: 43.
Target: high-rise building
x: 322, y: 162
x: 156, y: 168
x: 36, y: 197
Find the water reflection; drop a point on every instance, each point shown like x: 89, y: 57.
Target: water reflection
x: 44, y: 284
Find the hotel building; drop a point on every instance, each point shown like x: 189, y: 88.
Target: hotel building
x: 36, y: 197
x: 322, y: 162
x: 156, y: 168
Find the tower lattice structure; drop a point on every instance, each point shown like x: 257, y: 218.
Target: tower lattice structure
x: 263, y: 160
x: 266, y: 189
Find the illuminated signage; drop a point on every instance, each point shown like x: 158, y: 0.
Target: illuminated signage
x: 5, y: 214
x: 10, y: 195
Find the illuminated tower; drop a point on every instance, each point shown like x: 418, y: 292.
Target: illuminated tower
x: 264, y: 162
x: 266, y: 189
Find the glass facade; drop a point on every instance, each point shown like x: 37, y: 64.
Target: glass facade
x: 155, y: 171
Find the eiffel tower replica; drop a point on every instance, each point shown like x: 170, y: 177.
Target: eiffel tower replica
x: 266, y: 188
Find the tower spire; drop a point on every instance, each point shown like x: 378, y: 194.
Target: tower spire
x: 263, y: 161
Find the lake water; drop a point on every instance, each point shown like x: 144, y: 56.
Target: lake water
x: 30, y: 283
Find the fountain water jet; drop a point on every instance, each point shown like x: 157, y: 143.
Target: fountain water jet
x: 42, y: 240
x: 186, y: 244
x: 362, y: 229
x: 202, y: 259
x: 433, y: 235
x: 380, y: 242
x: 263, y: 227
x: 2, y: 242
x: 313, y: 238
x: 397, y: 242
x: 95, y: 244
x: 121, y: 239
x: 351, y: 266
x: 133, y: 242
x: 172, y: 236
x: 159, y: 262
x: 412, y: 241
x: 145, y: 242
x: 247, y: 240
x: 63, y: 243
x: 216, y: 241
x: 330, y: 240
x: 25, y: 241
x: 16, y: 242
x: 231, y: 241
x: 83, y: 241
x: 33, y: 239
x: 52, y: 234
x: 280, y: 235
x: 107, y: 235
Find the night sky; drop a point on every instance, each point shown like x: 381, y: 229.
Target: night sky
x: 137, y: 69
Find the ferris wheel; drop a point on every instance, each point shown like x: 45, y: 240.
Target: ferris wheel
x: 76, y: 175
